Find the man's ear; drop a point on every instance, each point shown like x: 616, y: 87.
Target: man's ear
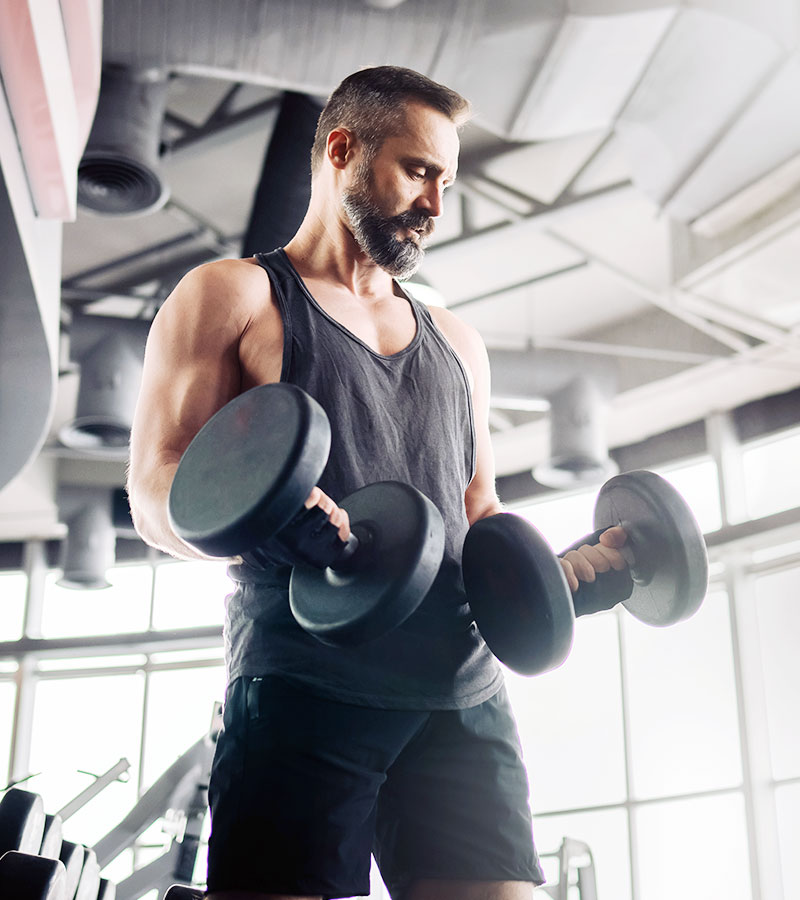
x: 339, y: 148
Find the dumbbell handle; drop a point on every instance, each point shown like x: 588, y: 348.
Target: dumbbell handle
x: 607, y: 590
x: 311, y: 539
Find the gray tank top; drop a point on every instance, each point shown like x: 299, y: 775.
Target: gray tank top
x: 405, y: 417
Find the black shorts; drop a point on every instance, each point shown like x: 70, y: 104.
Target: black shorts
x: 304, y: 788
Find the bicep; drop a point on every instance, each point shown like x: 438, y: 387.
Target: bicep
x: 190, y: 371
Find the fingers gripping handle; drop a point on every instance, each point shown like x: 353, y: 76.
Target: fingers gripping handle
x: 607, y: 590
x: 308, y: 538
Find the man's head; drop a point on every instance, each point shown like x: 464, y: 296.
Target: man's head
x: 372, y: 104
x: 394, y: 131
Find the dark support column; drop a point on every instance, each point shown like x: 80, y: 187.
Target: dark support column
x: 284, y: 190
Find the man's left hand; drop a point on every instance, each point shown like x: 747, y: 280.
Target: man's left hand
x: 585, y: 563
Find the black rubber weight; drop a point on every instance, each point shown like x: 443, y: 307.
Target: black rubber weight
x: 24, y: 876
x: 670, y: 563
x: 21, y: 821
x: 249, y: 469
x: 518, y: 593
x: 401, y: 537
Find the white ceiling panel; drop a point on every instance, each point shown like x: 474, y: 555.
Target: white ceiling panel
x: 627, y: 232
x: 695, y: 86
x: 780, y: 19
x: 543, y: 170
x: 766, y: 283
x: 498, y: 259
x: 766, y: 135
x: 594, y: 299
x: 589, y: 73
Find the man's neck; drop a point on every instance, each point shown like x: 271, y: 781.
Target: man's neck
x: 324, y: 248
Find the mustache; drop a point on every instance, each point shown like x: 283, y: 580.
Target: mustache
x: 418, y: 220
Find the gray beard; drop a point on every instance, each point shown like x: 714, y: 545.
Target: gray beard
x: 375, y: 233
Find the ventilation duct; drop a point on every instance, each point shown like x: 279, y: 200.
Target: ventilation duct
x: 119, y: 172
x: 578, y: 388
x: 110, y: 353
x: 578, y: 447
x: 90, y: 546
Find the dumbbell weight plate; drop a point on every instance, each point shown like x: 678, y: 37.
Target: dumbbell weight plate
x: 24, y: 876
x: 52, y: 837
x: 72, y: 856
x: 518, y: 594
x: 108, y: 890
x: 89, y: 882
x: 249, y: 469
x: 183, y: 892
x: 670, y: 563
x: 21, y: 821
x: 401, y: 537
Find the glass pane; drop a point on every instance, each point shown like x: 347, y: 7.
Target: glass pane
x: 180, y: 704
x: 563, y: 519
x: 85, y: 725
x: 190, y: 594
x: 682, y: 703
x: 564, y: 712
x: 123, y: 607
x: 8, y: 694
x: 12, y: 594
x: 779, y: 625
x: 693, y: 849
x: 770, y: 475
x: 698, y: 484
x: 787, y: 799
x: 605, y: 832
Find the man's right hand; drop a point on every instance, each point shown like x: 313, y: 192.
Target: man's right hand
x: 337, y: 516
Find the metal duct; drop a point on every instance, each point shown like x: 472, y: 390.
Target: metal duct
x: 119, y: 172
x: 578, y: 388
x: 110, y: 353
x: 284, y: 188
x: 578, y: 443
x: 90, y: 547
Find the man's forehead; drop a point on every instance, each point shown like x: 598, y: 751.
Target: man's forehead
x: 429, y: 136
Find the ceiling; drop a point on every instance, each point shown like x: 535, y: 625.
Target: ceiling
x: 627, y: 206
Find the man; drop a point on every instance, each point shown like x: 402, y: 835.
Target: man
x: 405, y: 745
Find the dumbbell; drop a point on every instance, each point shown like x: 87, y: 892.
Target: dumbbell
x: 24, y: 875
x: 183, y: 892
x: 83, y: 871
x: 240, y: 490
x: 519, y: 595
x: 22, y: 821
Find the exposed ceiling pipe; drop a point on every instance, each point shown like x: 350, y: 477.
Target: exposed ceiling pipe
x: 578, y: 389
x: 284, y: 188
x: 90, y: 546
x: 119, y: 172
x: 110, y: 353
x: 578, y: 437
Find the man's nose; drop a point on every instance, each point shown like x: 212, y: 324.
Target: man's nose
x: 432, y: 200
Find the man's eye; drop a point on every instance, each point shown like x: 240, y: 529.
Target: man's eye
x: 416, y: 173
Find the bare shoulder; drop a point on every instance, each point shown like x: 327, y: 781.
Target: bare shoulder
x: 222, y: 284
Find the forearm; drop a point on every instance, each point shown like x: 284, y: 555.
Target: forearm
x: 149, y: 496
x: 489, y: 507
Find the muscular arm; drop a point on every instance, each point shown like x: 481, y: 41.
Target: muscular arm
x: 481, y: 498
x: 193, y: 366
